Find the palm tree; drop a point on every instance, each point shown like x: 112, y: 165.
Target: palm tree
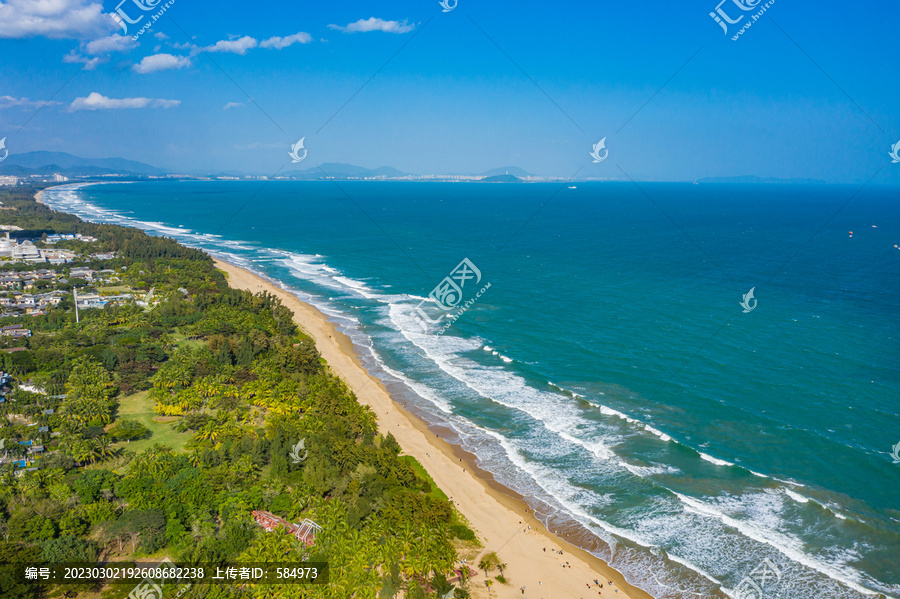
x: 488, y: 562
x: 83, y: 452
x: 103, y: 447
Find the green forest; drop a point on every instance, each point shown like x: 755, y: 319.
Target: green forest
x: 146, y: 432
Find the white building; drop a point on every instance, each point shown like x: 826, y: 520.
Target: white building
x: 27, y: 252
x: 24, y: 251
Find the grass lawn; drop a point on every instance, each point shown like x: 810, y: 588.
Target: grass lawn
x: 181, y: 340
x: 115, y: 289
x: 139, y: 407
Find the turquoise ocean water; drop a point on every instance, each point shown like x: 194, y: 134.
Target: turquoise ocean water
x: 609, y: 373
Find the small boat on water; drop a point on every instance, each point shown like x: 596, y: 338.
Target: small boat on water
x: 572, y: 187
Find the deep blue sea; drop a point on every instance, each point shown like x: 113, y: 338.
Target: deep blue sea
x: 609, y: 373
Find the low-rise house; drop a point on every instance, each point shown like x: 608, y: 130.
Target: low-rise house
x: 91, y: 300
x: 16, y: 331
x: 305, y: 531
x: 119, y: 299
x: 51, y: 239
x: 58, y: 256
x: 82, y: 272
x: 10, y: 281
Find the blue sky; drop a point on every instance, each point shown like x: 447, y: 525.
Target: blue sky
x: 450, y: 100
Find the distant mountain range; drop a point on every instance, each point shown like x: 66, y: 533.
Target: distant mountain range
x: 47, y: 163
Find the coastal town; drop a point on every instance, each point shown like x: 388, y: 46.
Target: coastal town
x: 38, y: 275
x: 35, y: 275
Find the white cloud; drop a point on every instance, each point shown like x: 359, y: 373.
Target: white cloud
x: 237, y: 46
x: 231, y: 105
x: 89, y: 63
x: 284, y: 42
x: 97, y: 101
x: 108, y: 45
x: 160, y: 62
x: 374, y: 24
x: 80, y: 19
x: 160, y: 35
x: 10, y: 102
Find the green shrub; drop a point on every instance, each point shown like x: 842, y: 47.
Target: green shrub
x: 463, y: 532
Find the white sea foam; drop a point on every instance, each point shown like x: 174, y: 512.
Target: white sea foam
x: 566, y: 391
x: 657, y: 432
x: 550, y: 481
x: 715, y: 461
x: 557, y: 415
x: 608, y: 411
x: 357, y: 286
x: 796, y: 496
x: 787, y: 545
x: 645, y: 471
x: 421, y: 390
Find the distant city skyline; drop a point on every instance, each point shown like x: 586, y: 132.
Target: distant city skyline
x: 220, y: 87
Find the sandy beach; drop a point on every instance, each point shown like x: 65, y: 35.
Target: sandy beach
x: 502, y: 523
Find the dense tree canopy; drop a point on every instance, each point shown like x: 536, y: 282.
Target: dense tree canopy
x: 164, y: 426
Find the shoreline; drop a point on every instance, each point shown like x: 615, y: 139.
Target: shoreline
x: 501, y: 519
